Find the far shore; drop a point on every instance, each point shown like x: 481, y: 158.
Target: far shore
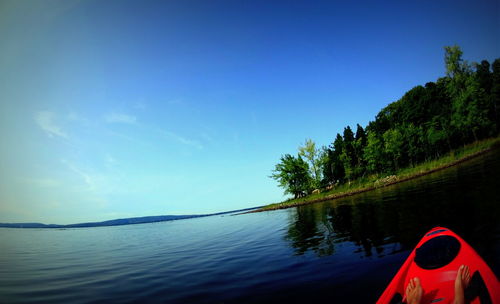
x: 451, y: 159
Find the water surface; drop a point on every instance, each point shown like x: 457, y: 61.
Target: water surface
x: 343, y: 251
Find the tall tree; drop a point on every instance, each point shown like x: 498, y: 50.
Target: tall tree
x: 455, y: 65
x: 292, y: 174
x: 328, y: 167
x: 374, y: 153
x: 338, y: 168
x: 348, y: 156
x: 359, y: 146
x: 393, y: 144
x: 415, y: 142
x: 469, y: 104
x: 313, y: 156
x: 483, y: 74
x: 436, y: 139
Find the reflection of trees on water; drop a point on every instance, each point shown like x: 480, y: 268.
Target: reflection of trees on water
x: 307, y: 232
x: 379, y: 226
x: 370, y: 226
x: 464, y: 199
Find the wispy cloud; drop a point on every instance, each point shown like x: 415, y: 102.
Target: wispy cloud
x: 45, y: 120
x: 183, y: 140
x: 95, y: 186
x: 86, y: 177
x: 120, y: 118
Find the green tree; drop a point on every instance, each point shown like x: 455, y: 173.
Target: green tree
x: 436, y: 139
x: 348, y: 156
x: 470, y: 110
x: 332, y: 167
x: 292, y: 174
x: 374, y: 153
x: 323, y: 163
x: 413, y: 106
x: 328, y: 167
x: 483, y: 75
x: 455, y: 65
x: 338, y: 167
x: 393, y: 144
x: 414, y: 138
x: 313, y: 156
x: 469, y: 103
x: 359, y: 146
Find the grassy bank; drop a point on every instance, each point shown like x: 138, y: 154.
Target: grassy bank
x: 379, y: 180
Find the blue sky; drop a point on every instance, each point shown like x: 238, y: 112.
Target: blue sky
x: 116, y: 109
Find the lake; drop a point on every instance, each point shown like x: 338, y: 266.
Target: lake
x: 342, y: 251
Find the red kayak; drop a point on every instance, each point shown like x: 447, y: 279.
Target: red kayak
x: 435, y: 261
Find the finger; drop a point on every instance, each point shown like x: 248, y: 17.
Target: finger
x: 417, y: 281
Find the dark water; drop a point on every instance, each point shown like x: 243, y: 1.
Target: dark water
x: 344, y: 251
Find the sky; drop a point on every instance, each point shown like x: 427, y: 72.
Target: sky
x: 112, y: 109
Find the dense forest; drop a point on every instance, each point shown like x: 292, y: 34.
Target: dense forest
x: 425, y: 123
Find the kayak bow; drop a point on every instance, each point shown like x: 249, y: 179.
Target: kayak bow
x: 435, y: 261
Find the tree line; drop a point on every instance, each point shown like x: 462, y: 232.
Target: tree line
x: 428, y: 121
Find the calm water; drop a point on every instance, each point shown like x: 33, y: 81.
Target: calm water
x: 344, y: 251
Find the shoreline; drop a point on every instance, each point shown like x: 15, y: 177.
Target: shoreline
x: 398, y: 179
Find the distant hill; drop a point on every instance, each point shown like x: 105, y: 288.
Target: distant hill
x: 118, y: 222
